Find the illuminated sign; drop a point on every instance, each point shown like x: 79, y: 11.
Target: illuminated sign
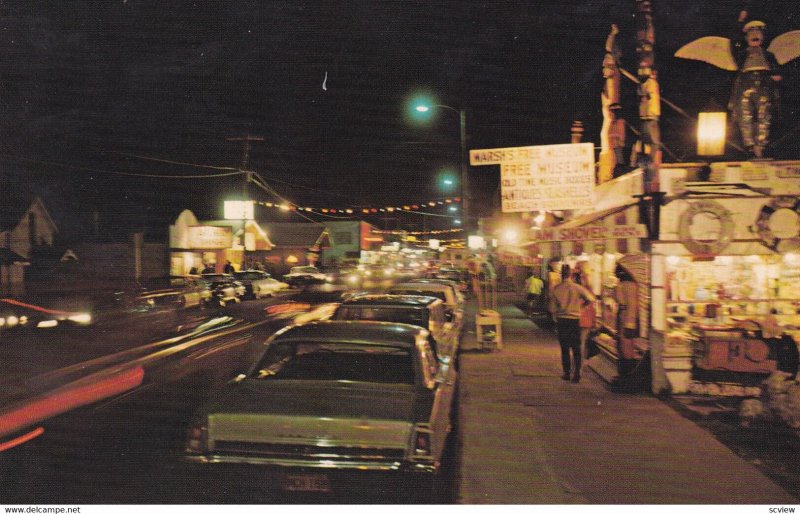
x: 542, y: 178
x: 206, y: 237
x: 590, y: 233
x: 238, y: 210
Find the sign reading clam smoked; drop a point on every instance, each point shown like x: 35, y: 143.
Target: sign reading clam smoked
x: 540, y: 178
x: 590, y: 232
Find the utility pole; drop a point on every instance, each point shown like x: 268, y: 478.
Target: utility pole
x: 244, y: 168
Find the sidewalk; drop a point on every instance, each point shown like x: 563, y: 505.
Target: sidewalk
x: 528, y: 437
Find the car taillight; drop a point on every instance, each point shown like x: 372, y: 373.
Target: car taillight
x: 422, y: 441
x: 197, y: 441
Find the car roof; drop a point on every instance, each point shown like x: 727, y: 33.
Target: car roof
x: 395, y: 300
x: 443, y: 281
x: 416, y: 286
x: 357, y: 332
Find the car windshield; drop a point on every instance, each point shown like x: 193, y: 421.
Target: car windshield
x: 304, y: 269
x: 449, y: 274
x: 217, y: 279
x: 249, y: 275
x: 338, y: 361
x: 420, y: 292
x: 417, y: 317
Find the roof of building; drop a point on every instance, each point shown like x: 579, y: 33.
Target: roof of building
x: 14, y: 208
x: 293, y: 234
x: 9, y: 257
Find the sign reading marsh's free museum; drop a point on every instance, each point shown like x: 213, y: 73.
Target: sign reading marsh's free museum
x: 542, y: 178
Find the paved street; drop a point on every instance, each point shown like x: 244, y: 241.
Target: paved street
x: 524, y: 437
x: 528, y: 437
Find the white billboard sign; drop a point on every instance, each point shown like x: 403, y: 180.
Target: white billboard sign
x: 557, y: 177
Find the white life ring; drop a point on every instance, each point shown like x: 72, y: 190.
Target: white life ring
x: 762, y: 225
x: 703, y: 246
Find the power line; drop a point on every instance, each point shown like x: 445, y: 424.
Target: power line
x: 168, y: 161
x: 124, y: 173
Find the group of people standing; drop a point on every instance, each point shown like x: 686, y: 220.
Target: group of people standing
x: 572, y: 307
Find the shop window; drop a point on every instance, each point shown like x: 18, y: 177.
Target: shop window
x: 577, y: 248
x: 622, y: 245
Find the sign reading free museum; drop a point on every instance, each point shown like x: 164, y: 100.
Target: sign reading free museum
x: 542, y: 178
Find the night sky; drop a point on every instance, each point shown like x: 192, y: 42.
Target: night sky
x: 92, y: 91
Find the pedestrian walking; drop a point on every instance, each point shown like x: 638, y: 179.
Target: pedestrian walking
x: 533, y: 287
x: 565, y: 303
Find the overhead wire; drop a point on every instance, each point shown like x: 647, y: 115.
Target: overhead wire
x: 123, y: 173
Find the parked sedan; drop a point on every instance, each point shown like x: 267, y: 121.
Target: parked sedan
x: 304, y: 275
x: 330, y: 400
x: 224, y: 288
x: 259, y: 284
x: 427, y: 312
x: 452, y: 299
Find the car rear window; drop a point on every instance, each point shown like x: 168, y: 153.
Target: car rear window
x: 417, y: 317
x: 419, y: 292
x: 337, y: 362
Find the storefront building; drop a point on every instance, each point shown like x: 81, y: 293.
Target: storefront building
x: 726, y: 277
x: 196, y: 245
x: 698, y: 284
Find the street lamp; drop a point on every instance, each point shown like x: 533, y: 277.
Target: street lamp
x: 423, y: 109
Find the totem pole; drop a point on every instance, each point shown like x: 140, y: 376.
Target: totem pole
x: 612, y: 132
x: 647, y: 151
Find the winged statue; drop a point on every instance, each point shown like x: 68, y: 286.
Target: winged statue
x: 754, y: 99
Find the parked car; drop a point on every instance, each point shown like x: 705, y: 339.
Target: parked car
x: 331, y: 401
x: 459, y: 295
x: 453, y: 301
x: 224, y: 288
x: 117, y: 405
x: 423, y: 311
x: 259, y: 284
x: 185, y: 291
x: 458, y: 276
x: 304, y: 275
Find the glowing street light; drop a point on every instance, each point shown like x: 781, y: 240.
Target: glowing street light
x: 422, y: 109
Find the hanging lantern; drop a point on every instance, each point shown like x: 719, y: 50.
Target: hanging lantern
x: 711, y: 133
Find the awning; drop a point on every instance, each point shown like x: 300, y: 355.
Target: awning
x: 594, y: 216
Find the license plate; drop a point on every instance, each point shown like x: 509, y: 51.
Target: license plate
x: 306, y: 483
